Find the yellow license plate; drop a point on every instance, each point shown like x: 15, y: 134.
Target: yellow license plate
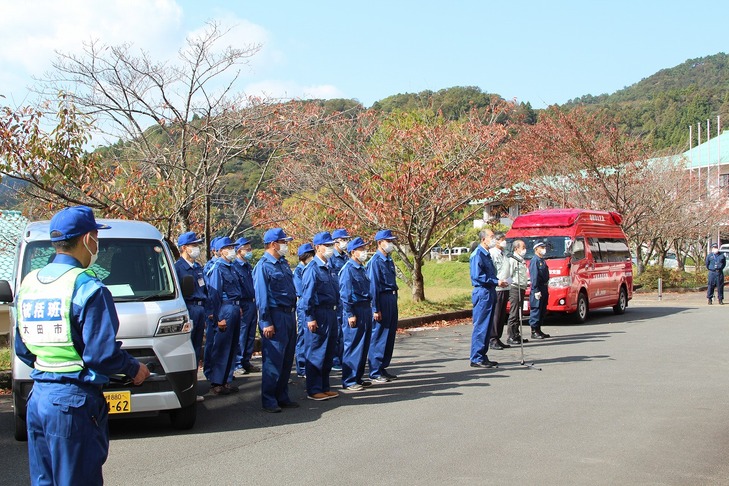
x: 119, y: 401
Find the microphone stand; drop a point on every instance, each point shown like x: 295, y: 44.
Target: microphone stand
x: 520, y: 261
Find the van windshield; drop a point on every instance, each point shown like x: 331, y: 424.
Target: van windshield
x: 556, y: 245
x: 133, y: 270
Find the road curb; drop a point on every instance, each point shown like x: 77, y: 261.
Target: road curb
x: 423, y: 320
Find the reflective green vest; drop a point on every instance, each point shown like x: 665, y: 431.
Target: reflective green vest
x: 44, y: 321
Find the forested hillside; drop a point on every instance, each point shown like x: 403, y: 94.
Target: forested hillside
x: 661, y: 107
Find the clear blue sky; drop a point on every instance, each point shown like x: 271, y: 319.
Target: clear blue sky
x: 541, y: 52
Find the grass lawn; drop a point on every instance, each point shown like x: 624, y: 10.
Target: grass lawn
x: 4, y: 358
x: 447, y: 288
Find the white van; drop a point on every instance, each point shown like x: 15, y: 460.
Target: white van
x: 136, y: 265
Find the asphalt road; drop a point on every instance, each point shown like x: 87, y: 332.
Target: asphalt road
x: 633, y: 399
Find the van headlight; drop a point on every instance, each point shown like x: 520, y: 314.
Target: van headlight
x: 175, y: 324
x: 560, y: 282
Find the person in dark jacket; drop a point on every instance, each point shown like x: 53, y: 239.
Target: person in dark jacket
x: 539, y: 290
x: 715, y: 263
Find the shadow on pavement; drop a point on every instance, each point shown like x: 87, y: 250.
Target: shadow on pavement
x: 606, y: 316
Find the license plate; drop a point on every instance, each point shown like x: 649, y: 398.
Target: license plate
x: 119, y: 401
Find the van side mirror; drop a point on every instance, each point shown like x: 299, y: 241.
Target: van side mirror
x: 188, y: 286
x: 6, y: 293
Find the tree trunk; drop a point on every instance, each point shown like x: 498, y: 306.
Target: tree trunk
x: 418, y: 284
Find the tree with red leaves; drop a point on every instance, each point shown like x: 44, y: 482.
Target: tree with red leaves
x: 414, y: 173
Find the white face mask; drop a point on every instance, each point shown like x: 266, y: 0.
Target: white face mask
x: 342, y: 245
x: 388, y: 247
x: 229, y: 254
x: 194, y: 252
x: 502, y: 244
x: 94, y: 256
x: 492, y: 243
x: 715, y: 250
x: 283, y: 249
x: 328, y: 252
x: 522, y: 252
x: 362, y: 256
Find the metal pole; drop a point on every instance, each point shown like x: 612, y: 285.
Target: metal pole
x: 691, y: 160
x: 708, y: 156
x: 698, y: 153
x: 660, y: 288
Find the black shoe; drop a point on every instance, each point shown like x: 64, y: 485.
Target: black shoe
x: 289, y: 405
x: 493, y: 364
x: 272, y: 410
x: 502, y: 344
x: 480, y: 365
x: 516, y: 340
x: 389, y: 376
x: 538, y: 334
x: 721, y: 302
x: 495, y: 345
x: 710, y: 302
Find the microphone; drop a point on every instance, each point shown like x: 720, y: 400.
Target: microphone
x: 516, y: 257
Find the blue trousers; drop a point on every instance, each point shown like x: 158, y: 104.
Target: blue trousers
x: 538, y: 308
x: 483, y: 300
x: 339, y: 347
x: 716, y: 281
x: 320, y: 348
x: 382, y: 341
x: 247, y: 336
x: 223, y: 346
x: 356, y: 341
x: 210, y: 328
x: 198, y: 318
x: 300, y: 344
x: 278, y: 358
x: 68, y: 434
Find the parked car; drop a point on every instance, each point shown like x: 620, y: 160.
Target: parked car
x: 455, y: 251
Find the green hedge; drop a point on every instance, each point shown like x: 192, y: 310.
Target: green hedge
x: 648, y: 280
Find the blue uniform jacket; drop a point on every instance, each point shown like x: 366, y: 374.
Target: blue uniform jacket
x: 538, y: 274
x: 319, y: 286
x: 715, y: 262
x: 337, y: 261
x: 245, y: 271
x: 483, y: 271
x: 223, y: 284
x: 94, y: 324
x: 354, y: 286
x: 381, y: 272
x: 274, y: 284
x: 182, y: 267
x: 207, y: 268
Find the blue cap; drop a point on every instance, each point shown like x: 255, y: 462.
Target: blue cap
x: 714, y: 245
x: 305, y: 248
x: 275, y: 234
x: 355, y: 243
x: 72, y: 222
x: 213, y: 241
x: 222, y: 242
x: 340, y: 233
x: 538, y: 244
x: 323, y: 238
x: 241, y: 241
x: 384, y: 234
x: 188, y: 238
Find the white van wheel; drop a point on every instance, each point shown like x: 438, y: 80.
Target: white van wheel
x: 619, y: 308
x: 184, y: 418
x: 19, y: 424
